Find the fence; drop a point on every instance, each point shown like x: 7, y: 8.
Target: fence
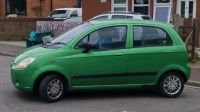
x: 189, y: 31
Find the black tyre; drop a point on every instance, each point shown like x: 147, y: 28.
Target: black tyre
x: 171, y: 85
x: 52, y: 88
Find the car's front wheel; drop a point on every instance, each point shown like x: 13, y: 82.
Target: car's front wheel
x: 171, y: 85
x: 51, y: 88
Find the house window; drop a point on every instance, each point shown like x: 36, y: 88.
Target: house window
x: 16, y: 7
x: 163, y: 1
x: 162, y: 11
x: 162, y: 14
x: 186, y: 8
x: 119, y: 5
x: 141, y: 6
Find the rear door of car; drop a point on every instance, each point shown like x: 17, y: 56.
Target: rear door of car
x: 152, y: 50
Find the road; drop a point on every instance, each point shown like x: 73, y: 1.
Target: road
x: 12, y: 100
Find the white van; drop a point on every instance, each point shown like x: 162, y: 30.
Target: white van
x: 66, y: 13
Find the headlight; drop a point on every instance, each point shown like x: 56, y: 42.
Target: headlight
x: 25, y: 62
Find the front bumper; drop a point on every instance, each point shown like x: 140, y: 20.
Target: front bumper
x: 21, y: 78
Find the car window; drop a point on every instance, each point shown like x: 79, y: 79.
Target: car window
x: 100, y: 18
x: 121, y: 17
x: 60, y: 13
x: 71, y: 34
x: 150, y: 36
x: 74, y: 13
x: 108, y: 38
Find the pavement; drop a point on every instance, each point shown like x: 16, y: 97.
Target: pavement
x: 11, y: 48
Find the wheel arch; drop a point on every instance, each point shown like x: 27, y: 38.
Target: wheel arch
x: 43, y: 75
x: 182, y: 74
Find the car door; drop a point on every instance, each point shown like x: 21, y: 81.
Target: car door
x: 104, y: 65
x: 152, y: 51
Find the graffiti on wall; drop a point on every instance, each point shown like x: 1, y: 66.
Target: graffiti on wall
x: 56, y: 27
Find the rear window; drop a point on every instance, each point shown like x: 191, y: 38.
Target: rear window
x: 145, y: 36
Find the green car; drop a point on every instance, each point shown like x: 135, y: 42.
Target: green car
x: 101, y: 55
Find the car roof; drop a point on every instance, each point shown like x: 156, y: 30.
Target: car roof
x: 141, y: 22
x: 123, y: 13
x: 68, y: 9
x: 111, y: 12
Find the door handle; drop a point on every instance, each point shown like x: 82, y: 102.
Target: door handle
x: 119, y: 54
x: 168, y: 52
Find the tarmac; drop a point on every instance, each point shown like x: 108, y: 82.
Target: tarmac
x: 11, y: 48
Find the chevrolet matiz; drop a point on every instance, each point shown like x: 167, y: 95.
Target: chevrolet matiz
x: 101, y: 55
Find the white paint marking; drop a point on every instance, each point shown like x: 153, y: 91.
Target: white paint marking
x: 194, y: 87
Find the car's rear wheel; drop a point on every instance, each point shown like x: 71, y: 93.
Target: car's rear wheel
x: 171, y: 85
x: 52, y: 88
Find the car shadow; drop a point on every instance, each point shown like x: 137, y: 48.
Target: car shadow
x: 93, y: 95
x: 111, y: 94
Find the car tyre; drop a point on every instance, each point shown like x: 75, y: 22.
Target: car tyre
x: 171, y: 85
x: 52, y: 88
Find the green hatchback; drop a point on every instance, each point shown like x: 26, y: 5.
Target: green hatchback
x: 101, y: 55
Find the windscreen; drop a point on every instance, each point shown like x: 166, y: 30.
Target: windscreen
x: 60, y: 13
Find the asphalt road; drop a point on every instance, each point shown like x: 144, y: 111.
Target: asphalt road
x: 12, y: 100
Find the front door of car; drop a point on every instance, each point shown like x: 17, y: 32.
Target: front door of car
x: 152, y: 50
x: 105, y: 60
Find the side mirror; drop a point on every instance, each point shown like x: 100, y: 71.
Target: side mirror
x: 46, y: 39
x: 87, y: 47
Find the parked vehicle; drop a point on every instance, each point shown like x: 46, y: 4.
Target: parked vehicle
x: 66, y: 13
x: 36, y: 38
x: 120, y: 15
x: 74, y: 19
x: 105, y: 55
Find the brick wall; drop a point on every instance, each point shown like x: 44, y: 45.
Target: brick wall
x: 95, y: 7
x: 198, y: 10
x: 92, y: 8
x: 17, y: 29
x: 33, y: 7
x: 3, y: 8
x: 151, y: 4
x: 63, y: 3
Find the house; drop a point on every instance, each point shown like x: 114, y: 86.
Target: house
x: 160, y: 10
x: 33, y: 8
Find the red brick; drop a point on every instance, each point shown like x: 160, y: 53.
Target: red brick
x: 45, y: 7
x: 92, y: 8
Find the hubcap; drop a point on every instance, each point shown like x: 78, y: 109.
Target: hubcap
x: 172, y: 85
x: 54, y: 89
